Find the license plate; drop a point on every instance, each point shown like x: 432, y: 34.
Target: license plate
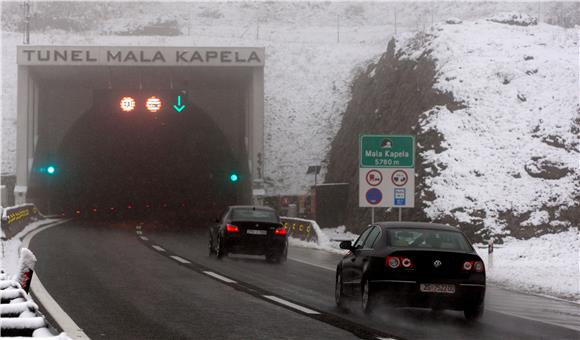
x: 437, y: 288
x: 256, y: 232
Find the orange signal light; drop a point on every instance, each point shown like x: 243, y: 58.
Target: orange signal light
x: 127, y: 104
x: 153, y: 104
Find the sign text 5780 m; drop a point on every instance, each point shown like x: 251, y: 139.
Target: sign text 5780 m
x: 387, y: 158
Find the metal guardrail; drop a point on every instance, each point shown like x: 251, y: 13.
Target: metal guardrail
x: 300, y: 228
x: 19, y: 315
x: 14, y: 219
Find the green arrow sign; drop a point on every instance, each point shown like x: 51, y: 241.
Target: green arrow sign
x: 387, y: 151
x: 178, y: 107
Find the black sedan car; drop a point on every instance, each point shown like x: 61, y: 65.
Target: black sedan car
x: 410, y: 264
x: 249, y: 230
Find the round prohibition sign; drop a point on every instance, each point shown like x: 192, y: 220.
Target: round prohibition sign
x: 374, y: 178
x: 374, y: 196
x: 399, y: 178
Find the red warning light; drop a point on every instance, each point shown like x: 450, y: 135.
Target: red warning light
x: 153, y: 104
x: 127, y: 104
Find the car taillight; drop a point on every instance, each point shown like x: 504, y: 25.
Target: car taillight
x: 467, y: 265
x: 393, y: 262
x: 407, y: 263
x: 473, y: 265
x: 232, y: 228
x: 280, y: 231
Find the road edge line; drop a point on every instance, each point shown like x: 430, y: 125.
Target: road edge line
x: 64, y: 321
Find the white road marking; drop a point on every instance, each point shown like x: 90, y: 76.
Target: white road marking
x: 138, y: 227
x: 311, y: 264
x: 380, y: 338
x: 53, y: 309
x: 290, y: 304
x: 158, y: 248
x: 219, y: 277
x: 144, y: 238
x: 179, y: 259
x: 139, y: 232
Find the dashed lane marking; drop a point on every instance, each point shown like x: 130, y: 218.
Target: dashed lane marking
x: 144, y: 238
x: 361, y: 331
x: 290, y: 304
x: 138, y: 227
x: 158, y: 248
x: 139, y: 232
x: 179, y: 259
x: 219, y: 277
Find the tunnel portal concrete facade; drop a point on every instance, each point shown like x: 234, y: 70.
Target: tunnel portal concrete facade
x: 56, y: 84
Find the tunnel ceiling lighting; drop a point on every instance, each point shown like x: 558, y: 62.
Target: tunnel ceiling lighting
x: 153, y: 104
x: 51, y: 170
x: 127, y: 104
x: 234, y: 177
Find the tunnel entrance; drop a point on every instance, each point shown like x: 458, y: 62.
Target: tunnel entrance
x: 163, y: 165
x: 175, y: 161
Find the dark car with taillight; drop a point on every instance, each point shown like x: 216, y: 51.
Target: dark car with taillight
x: 250, y: 230
x: 407, y: 264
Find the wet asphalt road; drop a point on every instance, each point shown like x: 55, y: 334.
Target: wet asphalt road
x: 117, y: 286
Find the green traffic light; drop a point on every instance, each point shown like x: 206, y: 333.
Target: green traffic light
x: 233, y: 177
x: 51, y: 170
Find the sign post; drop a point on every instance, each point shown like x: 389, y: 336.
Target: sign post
x: 387, y: 172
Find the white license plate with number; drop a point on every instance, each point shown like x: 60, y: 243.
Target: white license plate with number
x: 437, y: 288
x: 256, y: 232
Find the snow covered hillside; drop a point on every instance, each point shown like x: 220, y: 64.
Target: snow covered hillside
x: 511, y: 152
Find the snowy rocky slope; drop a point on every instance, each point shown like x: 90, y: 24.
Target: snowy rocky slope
x: 512, y: 150
x: 504, y: 159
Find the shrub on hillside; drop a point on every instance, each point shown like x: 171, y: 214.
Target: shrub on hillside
x: 516, y: 19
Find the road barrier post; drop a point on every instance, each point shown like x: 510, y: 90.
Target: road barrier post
x: 490, y: 253
x: 25, y: 268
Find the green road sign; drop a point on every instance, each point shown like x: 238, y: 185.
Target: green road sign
x: 387, y: 151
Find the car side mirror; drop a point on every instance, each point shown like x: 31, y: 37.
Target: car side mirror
x: 345, y: 245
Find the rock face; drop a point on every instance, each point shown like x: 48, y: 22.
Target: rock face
x: 497, y: 132
x: 387, y: 98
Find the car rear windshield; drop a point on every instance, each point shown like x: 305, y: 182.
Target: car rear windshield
x: 259, y: 215
x: 428, y: 239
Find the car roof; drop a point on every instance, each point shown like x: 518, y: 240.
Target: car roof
x: 417, y: 225
x: 258, y: 207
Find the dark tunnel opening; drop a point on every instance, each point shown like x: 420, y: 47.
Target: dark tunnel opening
x: 171, y: 166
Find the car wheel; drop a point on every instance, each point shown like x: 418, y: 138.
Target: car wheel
x: 339, y: 291
x: 284, y: 256
x: 210, y: 246
x: 473, y: 313
x: 367, y: 298
x: 220, y: 248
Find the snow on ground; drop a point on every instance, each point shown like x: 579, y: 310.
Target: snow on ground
x: 519, y: 86
x: 548, y: 265
x: 9, y: 249
x: 328, y: 239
